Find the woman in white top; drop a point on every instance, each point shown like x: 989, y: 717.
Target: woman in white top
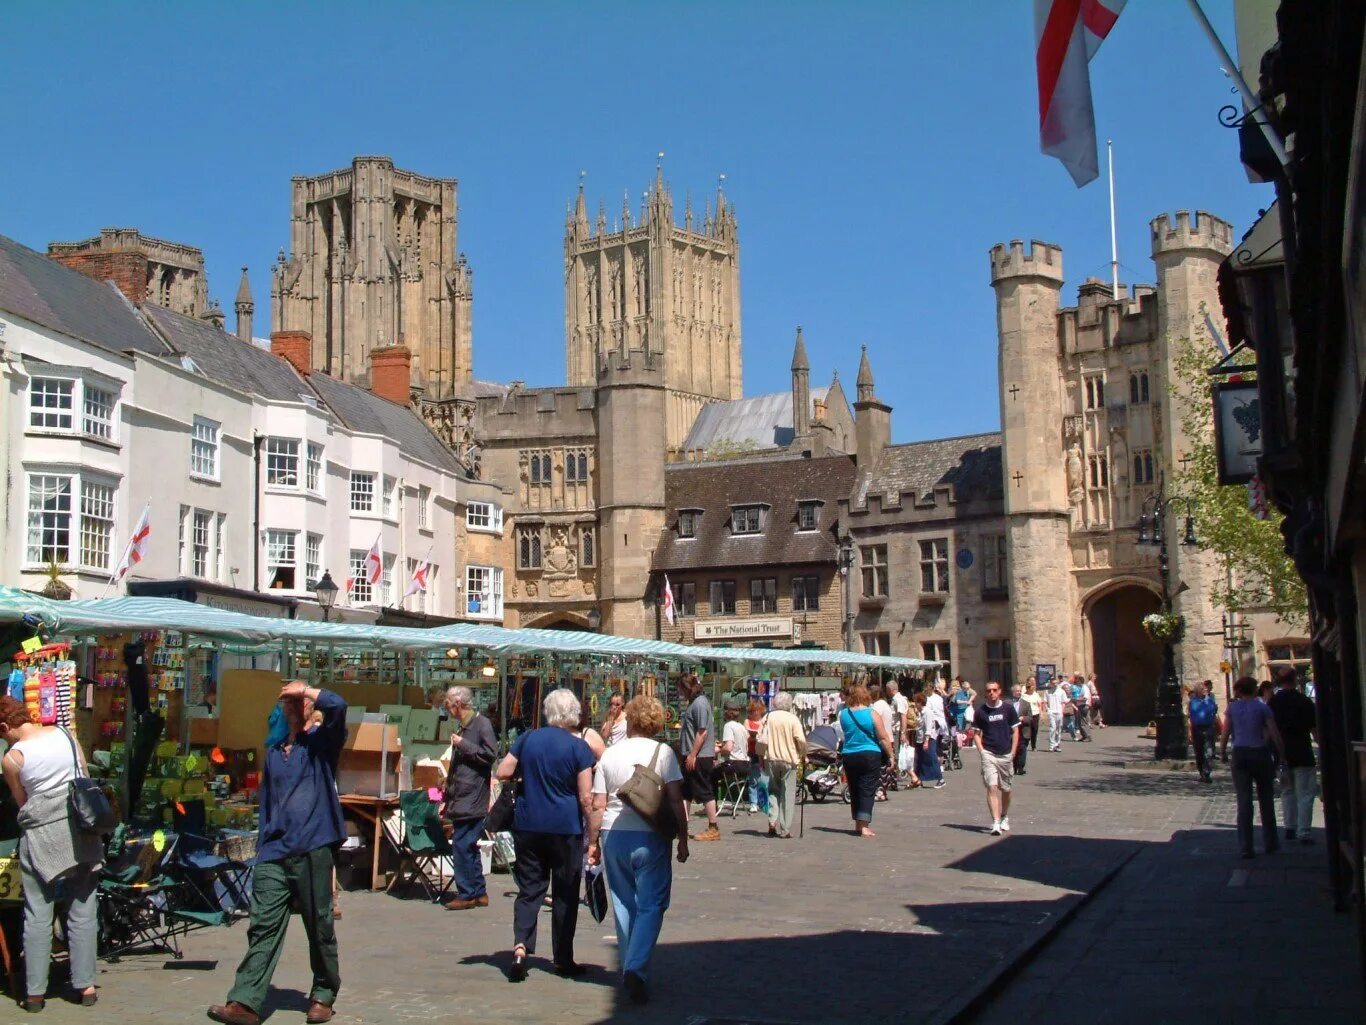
x: 614, y: 726
x: 39, y: 764
x: 635, y: 856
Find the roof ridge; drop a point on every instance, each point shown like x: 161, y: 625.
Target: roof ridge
x: 954, y: 437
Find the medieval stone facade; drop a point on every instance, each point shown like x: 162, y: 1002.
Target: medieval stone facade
x: 145, y: 269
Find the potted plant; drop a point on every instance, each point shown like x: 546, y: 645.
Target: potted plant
x: 1164, y: 626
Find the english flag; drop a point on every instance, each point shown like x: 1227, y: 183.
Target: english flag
x: 1067, y: 34
x: 137, y: 544
x: 419, y: 581
x: 372, y: 569
x: 668, y: 601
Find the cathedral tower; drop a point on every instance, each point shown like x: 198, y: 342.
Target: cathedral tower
x: 1028, y: 286
x: 658, y: 287
x: 374, y: 263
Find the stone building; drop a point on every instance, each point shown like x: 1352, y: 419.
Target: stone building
x: 144, y: 269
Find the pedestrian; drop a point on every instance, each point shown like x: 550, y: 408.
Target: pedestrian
x: 759, y: 789
x: 466, y: 798
x: 633, y: 853
x: 1251, y: 727
x: 907, y: 752
x: 698, y: 736
x: 882, y: 708
x: 961, y: 701
x: 926, y: 740
x: 1081, y: 703
x: 58, y: 863
x: 864, y: 746
x: 1038, y: 712
x: 1294, y: 714
x: 1204, y: 723
x: 553, y: 803
x: 1058, y: 700
x: 300, y: 828
x: 614, y: 726
x: 901, y: 706
x: 1093, y: 695
x: 996, y: 732
x: 732, y: 749
x: 781, y: 747
x: 1026, y: 728
x: 587, y: 734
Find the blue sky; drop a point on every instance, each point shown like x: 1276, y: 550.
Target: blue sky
x: 874, y: 151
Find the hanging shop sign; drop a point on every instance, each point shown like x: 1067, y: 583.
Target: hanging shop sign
x: 1237, y: 430
x: 755, y: 628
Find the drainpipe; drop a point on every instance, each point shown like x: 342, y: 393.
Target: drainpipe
x: 257, y: 441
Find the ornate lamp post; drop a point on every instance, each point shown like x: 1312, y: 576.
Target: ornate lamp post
x: 1171, y: 721
x: 326, y: 593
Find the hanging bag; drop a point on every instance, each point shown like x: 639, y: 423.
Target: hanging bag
x: 87, y: 802
x: 504, y: 808
x: 644, y: 793
x: 761, y: 740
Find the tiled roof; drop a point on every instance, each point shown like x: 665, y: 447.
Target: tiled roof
x: 227, y: 359
x: 45, y: 292
x: 764, y: 421
x: 367, y: 413
x: 778, y: 483
x: 970, y: 464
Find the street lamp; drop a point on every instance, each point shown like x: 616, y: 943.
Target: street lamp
x: 326, y: 593
x: 1171, y: 721
x: 846, y: 564
x: 594, y: 618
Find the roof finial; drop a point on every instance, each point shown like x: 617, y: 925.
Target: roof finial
x: 799, y: 360
x: 865, y: 378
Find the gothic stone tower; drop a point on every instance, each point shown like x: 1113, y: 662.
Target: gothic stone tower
x: 373, y: 263
x: 145, y: 269
x: 666, y: 290
x: 1028, y: 285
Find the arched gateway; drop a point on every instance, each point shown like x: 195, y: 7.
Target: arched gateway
x: 1126, y: 662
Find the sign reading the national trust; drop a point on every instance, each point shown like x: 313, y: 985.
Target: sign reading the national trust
x: 736, y: 629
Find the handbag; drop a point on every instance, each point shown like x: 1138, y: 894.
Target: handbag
x: 644, y: 794
x: 87, y: 803
x: 761, y: 739
x: 884, y: 759
x: 504, y: 808
x: 595, y: 892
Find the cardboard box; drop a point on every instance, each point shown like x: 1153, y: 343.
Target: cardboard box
x: 369, y: 762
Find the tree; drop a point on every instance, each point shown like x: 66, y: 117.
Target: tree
x: 1262, y: 577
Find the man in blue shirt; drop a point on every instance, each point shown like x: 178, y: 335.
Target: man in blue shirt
x: 996, y: 732
x: 1204, y: 714
x: 301, y: 824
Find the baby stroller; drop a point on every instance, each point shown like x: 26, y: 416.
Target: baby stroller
x: 824, y: 773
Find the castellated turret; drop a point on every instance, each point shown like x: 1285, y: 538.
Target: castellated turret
x: 1028, y: 285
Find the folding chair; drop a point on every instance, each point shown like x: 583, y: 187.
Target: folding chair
x: 732, y: 783
x: 217, y: 882
x: 422, y: 845
x: 143, y: 907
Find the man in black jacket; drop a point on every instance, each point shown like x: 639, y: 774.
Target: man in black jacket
x: 473, y: 749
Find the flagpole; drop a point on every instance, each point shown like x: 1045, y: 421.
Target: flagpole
x: 1114, y: 245
x: 110, y: 582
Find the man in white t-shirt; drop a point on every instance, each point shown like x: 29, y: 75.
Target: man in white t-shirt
x: 1058, y: 696
x: 900, y: 705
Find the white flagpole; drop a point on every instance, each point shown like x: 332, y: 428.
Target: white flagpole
x: 132, y: 534
x: 1114, y: 245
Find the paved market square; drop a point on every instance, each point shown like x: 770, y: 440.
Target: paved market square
x: 912, y: 925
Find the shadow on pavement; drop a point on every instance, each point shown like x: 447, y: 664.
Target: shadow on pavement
x: 1050, y: 860
x: 1133, y: 783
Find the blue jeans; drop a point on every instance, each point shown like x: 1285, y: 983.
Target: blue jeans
x: 469, y: 872
x: 639, y: 878
x: 758, y: 785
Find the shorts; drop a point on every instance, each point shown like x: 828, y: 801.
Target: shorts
x: 997, y: 770
x: 700, y: 784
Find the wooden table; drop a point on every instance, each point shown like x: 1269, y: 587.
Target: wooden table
x: 372, y: 810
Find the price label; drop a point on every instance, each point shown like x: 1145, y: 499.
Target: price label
x: 159, y: 841
x: 11, y: 885
x: 32, y: 644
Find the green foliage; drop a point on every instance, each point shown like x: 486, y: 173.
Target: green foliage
x: 1263, y: 577
x: 725, y: 448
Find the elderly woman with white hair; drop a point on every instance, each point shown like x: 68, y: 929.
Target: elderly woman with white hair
x: 781, y: 743
x: 552, y: 805
x: 469, y: 764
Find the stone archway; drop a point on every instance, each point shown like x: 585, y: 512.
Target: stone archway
x: 1126, y: 663
x: 560, y: 620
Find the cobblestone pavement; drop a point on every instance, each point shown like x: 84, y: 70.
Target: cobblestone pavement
x: 825, y: 928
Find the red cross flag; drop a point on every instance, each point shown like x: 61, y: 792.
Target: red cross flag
x: 419, y: 581
x: 372, y: 569
x: 137, y: 544
x: 1067, y: 34
x: 668, y: 601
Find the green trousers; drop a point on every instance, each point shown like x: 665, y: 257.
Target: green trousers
x: 307, y: 879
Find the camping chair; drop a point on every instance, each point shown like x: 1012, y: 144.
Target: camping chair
x: 143, y: 907
x: 422, y: 845
x: 214, y: 882
x: 732, y: 783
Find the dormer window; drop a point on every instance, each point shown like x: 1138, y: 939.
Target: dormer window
x: 809, y: 515
x: 687, y: 522
x: 747, y: 519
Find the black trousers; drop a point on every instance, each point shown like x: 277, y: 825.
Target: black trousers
x: 1202, y: 738
x: 551, y: 861
x: 864, y: 769
x: 1033, y: 732
x: 1022, y: 748
x: 1254, y: 767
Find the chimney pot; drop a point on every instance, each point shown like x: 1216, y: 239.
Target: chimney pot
x: 391, y: 373
x: 295, y: 348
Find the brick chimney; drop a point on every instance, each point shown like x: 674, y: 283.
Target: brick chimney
x: 128, y: 270
x: 295, y: 348
x: 391, y: 373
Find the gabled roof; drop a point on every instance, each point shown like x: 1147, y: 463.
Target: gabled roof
x: 366, y: 413
x: 970, y: 464
x: 43, y: 291
x: 763, y: 421
x: 226, y: 359
x: 778, y: 483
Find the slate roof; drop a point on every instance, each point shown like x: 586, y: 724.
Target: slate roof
x: 226, y: 359
x: 45, y: 292
x: 779, y: 483
x: 763, y: 420
x: 971, y: 464
x: 367, y: 413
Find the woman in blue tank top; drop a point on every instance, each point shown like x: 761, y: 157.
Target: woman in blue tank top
x: 865, y: 742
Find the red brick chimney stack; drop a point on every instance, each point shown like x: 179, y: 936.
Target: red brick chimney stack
x: 295, y: 348
x: 391, y: 373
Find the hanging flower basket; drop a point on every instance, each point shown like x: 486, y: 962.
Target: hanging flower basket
x: 1164, y: 626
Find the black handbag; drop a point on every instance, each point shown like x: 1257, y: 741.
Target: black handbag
x: 595, y: 892
x: 88, y: 804
x: 504, y: 809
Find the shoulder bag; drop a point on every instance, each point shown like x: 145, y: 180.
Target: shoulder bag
x: 504, y: 810
x: 87, y: 802
x: 761, y: 739
x: 644, y: 793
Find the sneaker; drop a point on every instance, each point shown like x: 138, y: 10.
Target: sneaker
x: 710, y: 833
x: 1005, y: 824
x: 995, y: 829
x: 941, y: 785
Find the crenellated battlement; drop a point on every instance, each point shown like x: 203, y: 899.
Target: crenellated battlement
x: 1042, y: 260
x: 1183, y: 233
x: 632, y: 367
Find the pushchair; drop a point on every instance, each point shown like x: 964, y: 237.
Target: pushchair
x: 823, y: 773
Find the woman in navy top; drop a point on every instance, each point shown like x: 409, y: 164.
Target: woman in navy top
x: 1251, y: 727
x: 865, y: 741
x: 554, y: 801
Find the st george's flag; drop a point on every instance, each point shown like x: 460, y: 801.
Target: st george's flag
x: 372, y: 569
x: 137, y: 545
x: 1067, y: 34
x: 668, y: 601
x: 419, y: 581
